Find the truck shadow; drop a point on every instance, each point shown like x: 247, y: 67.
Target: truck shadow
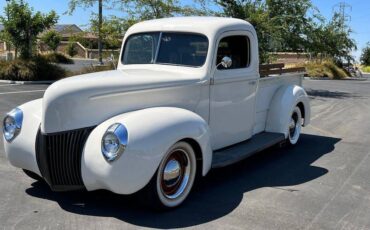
x: 329, y: 94
x: 215, y: 196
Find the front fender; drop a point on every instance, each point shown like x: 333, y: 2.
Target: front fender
x: 151, y: 132
x: 282, y: 105
x: 21, y: 151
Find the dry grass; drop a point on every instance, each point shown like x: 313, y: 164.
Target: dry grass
x: 365, y: 69
x: 324, y: 69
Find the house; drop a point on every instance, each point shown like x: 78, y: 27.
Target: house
x: 67, y: 31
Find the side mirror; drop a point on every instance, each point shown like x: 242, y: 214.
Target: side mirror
x: 226, y: 62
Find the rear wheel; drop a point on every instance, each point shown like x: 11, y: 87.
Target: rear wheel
x: 174, y: 179
x: 32, y: 175
x: 295, y: 126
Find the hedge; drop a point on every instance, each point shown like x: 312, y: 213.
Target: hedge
x: 36, y: 69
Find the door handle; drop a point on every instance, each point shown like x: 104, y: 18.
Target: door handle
x: 252, y: 82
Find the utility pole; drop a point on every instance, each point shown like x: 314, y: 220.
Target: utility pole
x: 8, y: 55
x: 344, y: 17
x: 100, y: 45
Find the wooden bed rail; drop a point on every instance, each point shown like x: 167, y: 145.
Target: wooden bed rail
x: 278, y: 69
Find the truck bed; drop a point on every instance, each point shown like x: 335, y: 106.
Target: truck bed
x: 267, y: 88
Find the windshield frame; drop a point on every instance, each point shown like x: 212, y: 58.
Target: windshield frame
x: 159, y: 46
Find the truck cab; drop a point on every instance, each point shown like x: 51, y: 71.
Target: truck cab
x: 187, y: 96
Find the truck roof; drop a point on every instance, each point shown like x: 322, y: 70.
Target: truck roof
x: 209, y: 26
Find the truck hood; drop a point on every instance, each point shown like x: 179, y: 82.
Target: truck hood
x: 87, y: 100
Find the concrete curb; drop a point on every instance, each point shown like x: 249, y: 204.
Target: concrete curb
x: 26, y: 82
x: 345, y: 79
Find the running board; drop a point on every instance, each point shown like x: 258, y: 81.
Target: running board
x: 245, y: 149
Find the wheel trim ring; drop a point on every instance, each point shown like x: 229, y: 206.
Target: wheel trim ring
x: 174, y: 192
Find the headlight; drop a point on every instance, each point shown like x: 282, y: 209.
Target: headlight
x: 114, y: 142
x: 12, y: 124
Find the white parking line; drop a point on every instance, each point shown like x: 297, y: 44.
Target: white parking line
x: 9, y: 85
x: 17, y: 92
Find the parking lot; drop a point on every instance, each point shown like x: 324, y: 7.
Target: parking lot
x: 322, y: 183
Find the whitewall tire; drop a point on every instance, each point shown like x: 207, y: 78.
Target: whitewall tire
x: 174, y: 178
x: 295, y: 126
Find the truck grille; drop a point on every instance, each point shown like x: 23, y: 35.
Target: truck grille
x: 59, y: 158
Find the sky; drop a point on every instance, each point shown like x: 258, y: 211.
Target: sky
x: 359, y: 14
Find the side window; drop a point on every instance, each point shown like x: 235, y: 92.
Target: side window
x: 237, y: 48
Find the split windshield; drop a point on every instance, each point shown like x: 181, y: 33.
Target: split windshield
x: 183, y: 49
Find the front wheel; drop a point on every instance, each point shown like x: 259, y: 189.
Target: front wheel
x: 174, y: 178
x: 295, y: 126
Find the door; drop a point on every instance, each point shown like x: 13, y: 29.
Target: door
x: 233, y: 90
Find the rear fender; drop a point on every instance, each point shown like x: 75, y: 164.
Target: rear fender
x: 284, y: 101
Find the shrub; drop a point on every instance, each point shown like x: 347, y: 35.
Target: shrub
x: 58, y: 58
x: 52, y: 39
x: 365, y: 69
x: 30, y: 70
x: 365, y: 56
x: 71, y: 49
x: 325, y: 69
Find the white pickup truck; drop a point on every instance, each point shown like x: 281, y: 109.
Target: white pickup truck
x: 186, y: 97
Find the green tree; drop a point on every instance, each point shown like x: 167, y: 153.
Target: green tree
x: 52, y: 39
x: 139, y: 10
x: 255, y: 12
x: 23, y: 26
x: 147, y: 9
x: 365, y: 56
x: 337, y: 42
x: 294, y: 26
x: 294, y: 20
x: 112, y: 30
x: 331, y: 40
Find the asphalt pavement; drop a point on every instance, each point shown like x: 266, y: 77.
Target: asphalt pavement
x: 322, y: 183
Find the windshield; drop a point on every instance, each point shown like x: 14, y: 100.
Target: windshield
x: 173, y: 49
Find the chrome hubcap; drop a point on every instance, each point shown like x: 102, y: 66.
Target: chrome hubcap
x: 175, y: 174
x: 172, y: 173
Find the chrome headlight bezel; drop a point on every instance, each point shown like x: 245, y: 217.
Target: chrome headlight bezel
x: 16, y: 115
x: 119, y: 132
